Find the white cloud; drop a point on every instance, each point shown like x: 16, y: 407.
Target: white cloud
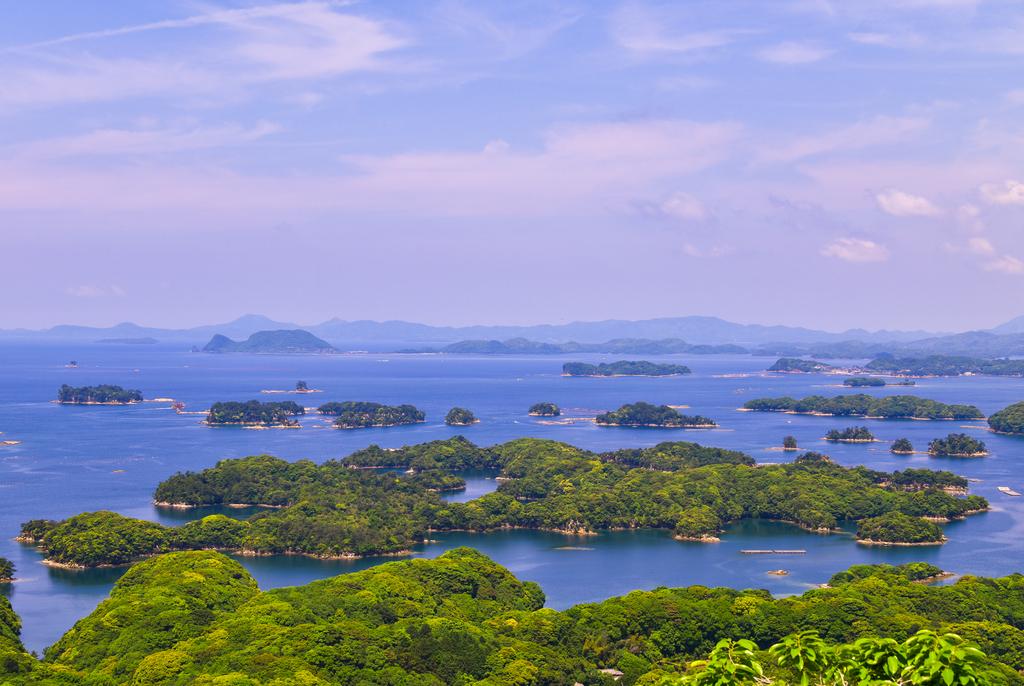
x: 1006, y: 264
x: 145, y: 141
x: 1015, y: 97
x: 792, y: 52
x: 638, y: 29
x: 900, y: 204
x: 856, y: 250
x: 970, y: 216
x: 1010, y: 193
x: 881, y: 130
x: 91, y: 291
x: 980, y: 246
x: 683, y: 206
x: 887, y: 40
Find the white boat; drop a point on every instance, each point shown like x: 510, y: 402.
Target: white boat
x: 1007, y: 490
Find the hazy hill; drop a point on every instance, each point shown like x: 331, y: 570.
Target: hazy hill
x: 281, y: 341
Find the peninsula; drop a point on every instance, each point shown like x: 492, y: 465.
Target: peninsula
x: 277, y: 342
x: 353, y: 414
x: 623, y: 368
x: 641, y: 414
x: 104, y: 394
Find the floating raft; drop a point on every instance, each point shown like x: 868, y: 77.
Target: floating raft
x: 773, y: 552
x: 1007, y: 490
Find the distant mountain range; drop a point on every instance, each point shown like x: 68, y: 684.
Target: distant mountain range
x: 672, y: 334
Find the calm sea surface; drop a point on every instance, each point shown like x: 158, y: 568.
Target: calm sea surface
x: 75, y: 459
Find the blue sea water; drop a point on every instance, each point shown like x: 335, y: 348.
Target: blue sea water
x: 75, y: 459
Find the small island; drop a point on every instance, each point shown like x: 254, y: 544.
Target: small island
x: 957, y: 445
x: 853, y: 434
x: 623, y: 368
x: 641, y: 414
x: 874, y: 382
x: 789, y: 443
x: 255, y: 413
x: 6, y: 571
x: 544, y: 410
x: 866, y: 406
x: 278, y: 342
x: 902, y: 446
x: 1009, y: 420
x: 460, y: 416
x: 897, y: 528
x: 353, y: 414
x: 796, y: 365
x: 104, y: 394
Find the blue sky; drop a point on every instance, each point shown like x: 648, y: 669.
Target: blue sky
x: 817, y: 162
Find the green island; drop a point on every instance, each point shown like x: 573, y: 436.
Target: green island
x: 624, y: 368
x: 6, y: 570
x: 944, y: 365
x: 544, y: 410
x: 255, y: 413
x: 104, y: 394
x: 641, y: 414
x: 334, y: 510
x: 789, y: 443
x: 864, y: 382
x: 354, y: 414
x: 460, y: 416
x: 957, y: 445
x: 902, y: 446
x: 199, y: 618
x: 281, y: 341
x: 852, y: 434
x: 897, y: 528
x: 797, y: 365
x: 1009, y: 420
x: 869, y: 407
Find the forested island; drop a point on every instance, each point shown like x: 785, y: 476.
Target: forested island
x: 624, y: 368
x: 354, y: 414
x: 458, y: 619
x: 853, y: 434
x: 902, y: 446
x: 333, y: 510
x: 6, y: 571
x: 255, y: 413
x: 281, y: 341
x: 799, y: 365
x: 944, y: 365
x: 957, y: 445
x: 544, y: 410
x: 460, y: 416
x: 861, y: 405
x: 641, y: 414
x: 896, y: 528
x: 1009, y: 420
x: 104, y: 394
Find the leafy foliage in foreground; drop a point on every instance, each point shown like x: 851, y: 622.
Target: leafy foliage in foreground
x: 333, y: 509
x: 104, y: 394
x: 861, y: 405
x: 460, y: 619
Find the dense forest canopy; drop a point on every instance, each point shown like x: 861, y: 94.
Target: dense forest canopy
x: 461, y: 619
x: 545, y: 410
x: 335, y: 509
x: 864, y: 382
x: 460, y: 416
x: 957, y: 445
x: 898, y: 528
x: 641, y: 414
x: 255, y: 413
x: 902, y: 446
x: 851, y: 434
x: 861, y: 405
x: 1009, y: 420
x: 104, y: 394
x: 354, y: 414
x: 624, y: 368
x: 944, y: 365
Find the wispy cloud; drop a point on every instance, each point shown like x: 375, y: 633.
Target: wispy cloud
x: 677, y: 207
x: 92, y: 291
x: 880, y: 130
x: 642, y: 30
x: 1007, y: 264
x: 792, y: 52
x: 1010, y: 192
x: 856, y: 250
x: 901, y: 204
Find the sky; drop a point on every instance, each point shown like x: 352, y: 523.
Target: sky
x: 827, y: 163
